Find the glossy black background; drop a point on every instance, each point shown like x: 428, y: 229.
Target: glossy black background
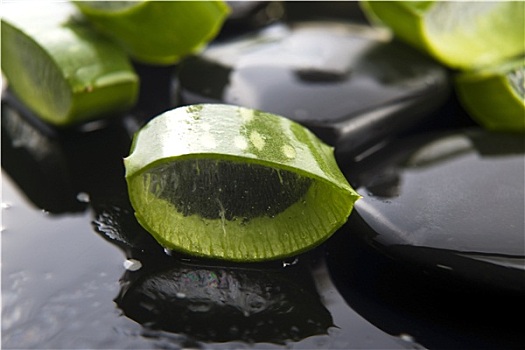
x: 68, y: 228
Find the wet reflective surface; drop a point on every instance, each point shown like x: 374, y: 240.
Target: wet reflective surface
x: 351, y: 85
x: 431, y: 257
x: 452, y: 202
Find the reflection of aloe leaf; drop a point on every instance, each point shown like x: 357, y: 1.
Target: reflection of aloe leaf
x: 53, y: 165
x: 225, y: 304
x: 379, y: 174
x: 36, y: 161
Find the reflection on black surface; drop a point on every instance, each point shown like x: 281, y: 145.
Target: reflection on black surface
x: 380, y: 173
x: 219, y: 304
x: 53, y: 166
x: 323, y: 10
x: 351, y: 85
x: 436, y: 247
x: 250, y: 15
x: 439, y: 312
x: 36, y: 161
x: 450, y: 203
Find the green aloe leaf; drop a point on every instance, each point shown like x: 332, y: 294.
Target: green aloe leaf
x: 233, y: 183
x: 495, y: 96
x: 460, y: 34
x: 60, y: 68
x: 157, y: 32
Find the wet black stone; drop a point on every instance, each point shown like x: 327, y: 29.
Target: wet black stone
x: 400, y: 297
x: 250, y: 15
x: 350, y: 84
x: 215, y: 303
x: 450, y: 204
x: 53, y: 165
x: 224, y: 189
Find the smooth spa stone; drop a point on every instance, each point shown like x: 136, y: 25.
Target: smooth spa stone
x: 350, y: 84
x: 449, y: 204
x: 225, y: 303
x: 61, y: 170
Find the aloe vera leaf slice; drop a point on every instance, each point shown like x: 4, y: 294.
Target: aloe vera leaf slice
x: 157, y: 32
x: 60, y: 68
x: 495, y: 96
x: 227, y: 182
x: 460, y: 34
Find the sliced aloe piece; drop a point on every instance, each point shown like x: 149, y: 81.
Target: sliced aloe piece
x: 460, y: 34
x: 233, y: 183
x: 60, y: 68
x: 495, y: 97
x: 157, y: 32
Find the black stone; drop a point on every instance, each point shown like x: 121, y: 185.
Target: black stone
x: 219, y: 304
x: 450, y: 204
x: 350, y: 84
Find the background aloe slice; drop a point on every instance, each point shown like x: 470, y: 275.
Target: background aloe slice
x: 495, y: 96
x: 157, y: 32
x: 60, y: 68
x: 233, y: 183
x: 460, y: 34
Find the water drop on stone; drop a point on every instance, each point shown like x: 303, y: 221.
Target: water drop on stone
x: 407, y: 337
x: 83, y: 197
x: 132, y: 265
x: 287, y: 263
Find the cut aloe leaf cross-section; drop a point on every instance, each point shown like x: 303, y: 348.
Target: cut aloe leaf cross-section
x: 62, y: 69
x: 495, y: 96
x: 460, y: 34
x: 227, y: 182
x: 157, y: 32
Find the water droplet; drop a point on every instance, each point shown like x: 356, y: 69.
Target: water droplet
x: 83, y: 197
x: 6, y: 205
x: 180, y: 295
x: 132, y: 265
x: 287, y: 263
x: 407, y: 337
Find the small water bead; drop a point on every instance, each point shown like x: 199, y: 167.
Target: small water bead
x: 132, y: 265
x: 168, y: 251
x: 287, y: 263
x: 83, y: 197
x: 406, y: 337
x: 6, y: 205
